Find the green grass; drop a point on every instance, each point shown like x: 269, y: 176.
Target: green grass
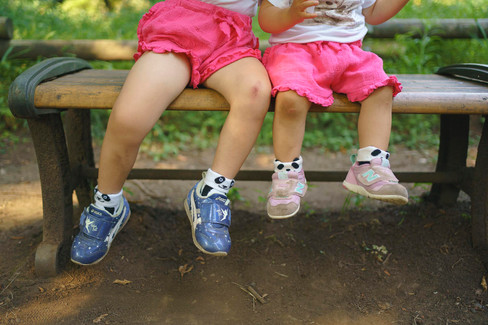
x: 89, y: 19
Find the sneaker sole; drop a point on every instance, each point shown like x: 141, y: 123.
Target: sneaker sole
x: 108, y: 246
x: 188, y: 214
x: 285, y: 217
x: 394, y: 199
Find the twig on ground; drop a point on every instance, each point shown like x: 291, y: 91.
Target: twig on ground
x: 281, y: 274
x: 256, y: 294
x: 16, y: 274
x: 252, y: 292
x: 459, y: 260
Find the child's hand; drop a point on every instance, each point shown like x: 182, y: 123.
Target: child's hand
x: 274, y: 19
x: 298, y: 12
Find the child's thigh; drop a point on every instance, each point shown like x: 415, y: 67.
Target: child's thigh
x: 297, y: 67
x: 152, y: 84
x: 364, y: 75
x: 288, y: 63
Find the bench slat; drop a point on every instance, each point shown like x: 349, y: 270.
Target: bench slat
x: 430, y: 93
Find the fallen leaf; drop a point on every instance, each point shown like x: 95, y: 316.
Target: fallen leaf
x: 183, y: 269
x: 428, y: 225
x: 200, y: 259
x: 384, y: 305
x: 123, y: 282
x: 387, y: 273
x: 41, y: 289
x: 483, y: 283
x: 100, y: 318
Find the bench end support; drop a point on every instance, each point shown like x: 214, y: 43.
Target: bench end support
x: 22, y: 90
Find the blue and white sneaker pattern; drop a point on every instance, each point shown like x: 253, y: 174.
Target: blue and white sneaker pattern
x: 210, y: 221
x: 98, y: 229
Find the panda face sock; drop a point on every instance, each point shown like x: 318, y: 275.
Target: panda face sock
x: 293, y: 166
x: 109, y: 202
x: 366, y: 154
x: 216, y: 183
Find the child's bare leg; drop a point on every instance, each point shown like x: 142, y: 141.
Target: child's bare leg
x: 371, y: 175
x: 289, y: 124
x: 288, y: 181
x: 153, y: 83
x: 245, y: 85
x: 374, y: 122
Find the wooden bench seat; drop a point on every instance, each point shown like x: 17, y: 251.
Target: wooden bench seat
x: 422, y: 94
x: 65, y: 155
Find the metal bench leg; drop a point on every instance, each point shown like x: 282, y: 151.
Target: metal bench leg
x: 79, y: 141
x: 54, y: 171
x: 453, y: 151
x: 479, y: 197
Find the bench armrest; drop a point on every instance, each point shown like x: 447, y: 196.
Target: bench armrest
x: 22, y: 90
x: 472, y: 71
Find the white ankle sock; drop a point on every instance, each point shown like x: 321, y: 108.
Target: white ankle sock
x: 109, y: 202
x: 216, y: 182
x: 296, y: 165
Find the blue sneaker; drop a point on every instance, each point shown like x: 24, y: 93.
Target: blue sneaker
x: 210, y: 221
x: 98, y: 229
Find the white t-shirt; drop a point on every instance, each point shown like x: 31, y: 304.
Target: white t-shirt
x: 245, y: 7
x: 338, y: 21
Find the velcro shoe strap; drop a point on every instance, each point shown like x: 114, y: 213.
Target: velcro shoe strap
x: 215, y: 213
x: 386, y: 174
x: 288, y: 186
x: 97, y: 226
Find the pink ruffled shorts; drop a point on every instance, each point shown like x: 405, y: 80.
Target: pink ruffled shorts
x: 211, y: 36
x: 315, y: 70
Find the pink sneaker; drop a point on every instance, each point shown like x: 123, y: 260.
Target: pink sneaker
x: 376, y: 180
x: 284, y: 197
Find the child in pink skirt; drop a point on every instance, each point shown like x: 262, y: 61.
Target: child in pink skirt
x: 181, y: 43
x: 317, y: 51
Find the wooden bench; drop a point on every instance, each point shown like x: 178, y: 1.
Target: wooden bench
x: 63, y: 144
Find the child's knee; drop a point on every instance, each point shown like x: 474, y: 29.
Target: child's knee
x: 127, y: 129
x: 259, y: 90
x: 291, y: 104
x: 256, y: 96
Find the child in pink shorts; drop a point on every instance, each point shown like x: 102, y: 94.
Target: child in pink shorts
x: 317, y: 51
x: 181, y: 43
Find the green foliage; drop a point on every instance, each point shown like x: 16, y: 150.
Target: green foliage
x: 118, y: 19
x: 428, y: 9
x: 9, y: 71
x: 332, y: 131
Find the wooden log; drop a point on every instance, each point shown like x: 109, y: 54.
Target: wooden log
x: 114, y: 50
x: 445, y: 28
x: 6, y: 28
x: 102, y: 49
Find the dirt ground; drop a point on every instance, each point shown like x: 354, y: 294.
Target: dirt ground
x: 342, y: 260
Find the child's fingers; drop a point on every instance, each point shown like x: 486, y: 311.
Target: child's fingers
x: 303, y: 5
